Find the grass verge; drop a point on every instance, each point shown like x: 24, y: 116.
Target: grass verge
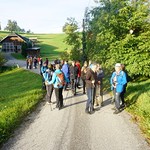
x: 20, y: 92
x: 138, y: 104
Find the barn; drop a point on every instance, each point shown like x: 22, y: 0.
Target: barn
x: 14, y: 43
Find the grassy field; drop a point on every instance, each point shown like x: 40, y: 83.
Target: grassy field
x: 18, y: 95
x: 138, y: 102
x: 52, y: 45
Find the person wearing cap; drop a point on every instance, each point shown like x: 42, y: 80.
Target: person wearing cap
x: 118, y: 80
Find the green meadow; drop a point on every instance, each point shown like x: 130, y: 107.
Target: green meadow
x: 52, y: 45
x: 18, y: 96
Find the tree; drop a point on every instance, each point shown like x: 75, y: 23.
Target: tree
x: 12, y: 26
x: 73, y: 38
x: 111, y: 40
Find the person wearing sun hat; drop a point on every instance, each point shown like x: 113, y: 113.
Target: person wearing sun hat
x: 118, y: 80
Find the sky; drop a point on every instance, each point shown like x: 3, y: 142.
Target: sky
x: 43, y: 16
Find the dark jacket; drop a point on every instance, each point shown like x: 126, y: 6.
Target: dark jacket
x: 100, y: 75
x: 73, y: 72
x: 90, y: 75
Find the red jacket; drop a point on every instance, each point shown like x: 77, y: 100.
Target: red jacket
x: 79, y: 69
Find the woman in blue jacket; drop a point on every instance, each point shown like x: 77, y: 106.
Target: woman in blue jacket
x: 118, y: 80
x: 58, y: 86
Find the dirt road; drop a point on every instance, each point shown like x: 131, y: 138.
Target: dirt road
x: 72, y: 129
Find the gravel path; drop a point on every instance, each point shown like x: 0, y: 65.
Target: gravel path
x: 72, y: 129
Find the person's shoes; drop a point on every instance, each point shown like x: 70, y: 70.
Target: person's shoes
x: 102, y: 104
x: 75, y: 94
x: 48, y: 103
x: 116, y: 112
x: 86, y: 111
x: 114, y: 108
x: 92, y: 112
x: 122, y: 106
x: 84, y: 93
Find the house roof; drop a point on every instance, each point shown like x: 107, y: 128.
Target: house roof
x: 26, y: 40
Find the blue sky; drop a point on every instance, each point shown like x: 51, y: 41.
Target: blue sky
x: 42, y: 16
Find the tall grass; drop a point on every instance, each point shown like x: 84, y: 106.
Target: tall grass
x: 20, y: 92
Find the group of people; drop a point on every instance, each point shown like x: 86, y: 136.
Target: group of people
x: 71, y: 78
x: 33, y: 62
x: 62, y: 76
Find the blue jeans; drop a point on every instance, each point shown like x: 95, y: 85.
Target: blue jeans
x: 91, y: 96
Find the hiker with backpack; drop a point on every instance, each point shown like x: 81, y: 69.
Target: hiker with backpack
x: 73, y: 77
x: 118, y: 80
x: 91, y: 80
x: 58, y: 81
x: 49, y: 87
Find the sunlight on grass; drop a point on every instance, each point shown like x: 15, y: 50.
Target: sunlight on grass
x: 20, y: 92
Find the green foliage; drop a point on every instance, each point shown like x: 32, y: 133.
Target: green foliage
x: 73, y: 38
x: 118, y: 31
x: 24, y: 47
x: 2, y: 60
x: 18, y: 95
x: 12, y: 26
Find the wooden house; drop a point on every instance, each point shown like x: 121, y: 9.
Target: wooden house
x: 14, y: 43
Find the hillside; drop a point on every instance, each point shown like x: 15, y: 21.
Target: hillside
x: 52, y: 45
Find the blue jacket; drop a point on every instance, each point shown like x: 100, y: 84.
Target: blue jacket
x: 48, y: 75
x: 43, y: 69
x: 65, y: 70
x: 120, y: 81
x: 55, y: 79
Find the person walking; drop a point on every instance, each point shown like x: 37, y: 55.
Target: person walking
x: 58, y: 86
x: 83, y: 75
x: 118, y: 80
x: 73, y: 77
x: 99, y: 86
x: 43, y: 70
x: 66, y: 71
x: 49, y: 87
x: 46, y: 61
x: 91, y: 80
x: 79, y: 73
